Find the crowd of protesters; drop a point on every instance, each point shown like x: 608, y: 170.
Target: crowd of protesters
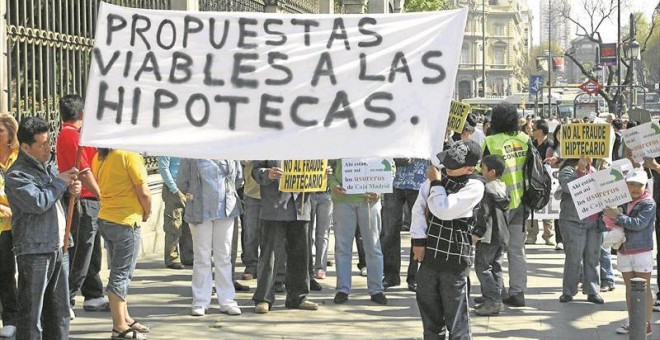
x: 463, y: 208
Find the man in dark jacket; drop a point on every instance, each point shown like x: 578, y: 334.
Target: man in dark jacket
x: 285, y: 219
x: 34, y: 189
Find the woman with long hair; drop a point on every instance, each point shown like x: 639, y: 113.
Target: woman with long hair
x: 8, y: 293
x: 125, y: 205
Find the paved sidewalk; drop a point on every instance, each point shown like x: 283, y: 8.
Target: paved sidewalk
x: 161, y: 298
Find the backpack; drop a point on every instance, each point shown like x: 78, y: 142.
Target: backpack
x: 537, y: 183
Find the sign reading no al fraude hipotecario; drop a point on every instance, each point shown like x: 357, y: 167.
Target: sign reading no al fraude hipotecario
x: 271, y: 86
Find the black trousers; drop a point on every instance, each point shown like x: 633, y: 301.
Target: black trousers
x: 390, y: 237
x: 443, y: 302
x: 8, y: 290
x: 294, y: 235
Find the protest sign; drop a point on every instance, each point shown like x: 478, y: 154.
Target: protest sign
x: 304, y: 175
x: 591, y: 140
x: 367, y: 175
x: 551, y: 210
x: 643, y: 140
x: 235, y: 85
x: 458, y: 113
x: 592, y: 193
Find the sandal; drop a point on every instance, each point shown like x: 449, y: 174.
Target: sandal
x: 129, y: 333
x: 140, y: 327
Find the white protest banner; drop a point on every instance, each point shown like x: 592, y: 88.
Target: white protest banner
x: 551, y: 210
x: 643, y: 140
x: 304, y: 175
x: 236, y: 85
x: 592, y: 193
x: 367, y: 175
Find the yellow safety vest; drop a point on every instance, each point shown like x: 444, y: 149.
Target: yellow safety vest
x: 514, y: 151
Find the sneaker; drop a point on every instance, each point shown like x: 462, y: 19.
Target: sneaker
x: 97, y: 305
x: 198, y: 311
x: 379, y: 298
x: 72, y: 314
x: 262, y: 308
x: 341, y: 297
x: 363, y: 271
x: 624, y: 328
x: 559, y: 246
x: 230, y: 309
x: 7, y: 331
x: 305, y: 305
x: 489, y: 309
x: 608, y: 287
x: 320, y: 274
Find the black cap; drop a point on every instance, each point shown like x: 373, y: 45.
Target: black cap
x: 462, y: 153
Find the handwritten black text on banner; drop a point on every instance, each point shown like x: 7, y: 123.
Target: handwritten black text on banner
x: 309, y: 85
x: 592, y: 140
x: 304, y: 175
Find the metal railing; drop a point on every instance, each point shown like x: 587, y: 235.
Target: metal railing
x: 48, y: 53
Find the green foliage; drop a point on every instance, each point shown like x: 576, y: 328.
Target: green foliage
x: 426, y: 5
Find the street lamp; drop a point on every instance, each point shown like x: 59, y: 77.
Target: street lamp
x: 632, y: 53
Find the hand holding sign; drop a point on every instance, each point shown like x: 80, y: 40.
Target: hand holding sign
x: 275, y: 173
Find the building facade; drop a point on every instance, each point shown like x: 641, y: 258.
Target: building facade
x: 560, y: 32
x: 507, y: 39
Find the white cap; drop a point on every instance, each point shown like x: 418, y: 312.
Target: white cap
x: 637, y: 176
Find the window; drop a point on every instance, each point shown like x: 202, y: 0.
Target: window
x: 499, y: 55
x: 499, y: 30
x: 465, y: 55
x: 493, y: 2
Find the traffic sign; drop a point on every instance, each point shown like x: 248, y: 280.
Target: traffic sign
x: 535, y: 84
x: 590, y: 86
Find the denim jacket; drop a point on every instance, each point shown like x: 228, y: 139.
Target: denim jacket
x: 198, y: 177
x: 33, y: 189
x: 638, y: 226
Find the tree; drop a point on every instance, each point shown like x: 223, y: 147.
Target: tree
x: 541, y: 52
x: 598, y: 11
x: 426, y: 5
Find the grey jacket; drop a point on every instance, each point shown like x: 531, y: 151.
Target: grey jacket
x: 33, y: 190
x: 199, y: 177
x: 493, y: 216
x: 277, y: 205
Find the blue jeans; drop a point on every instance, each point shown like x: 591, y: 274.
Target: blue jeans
x: 347, y: 217
x: 85, y: 255
x: 123, y: 243
x: 319, y: 227
x: 43, y: 296
x: 582, y: 248
x: 606, y: 271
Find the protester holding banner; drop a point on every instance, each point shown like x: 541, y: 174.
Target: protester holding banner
x: 85, y: 253
x: 285, y: 217
x: 582, y: 238
x: 8, y: 294
x: 635, y: 257
x: 212, y: 204
x: 509, y: 142
x: 353, y: 211
x: 442, y: 219
x: 125, y: 205
x: 410, y: 174
x: 34, y: 190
